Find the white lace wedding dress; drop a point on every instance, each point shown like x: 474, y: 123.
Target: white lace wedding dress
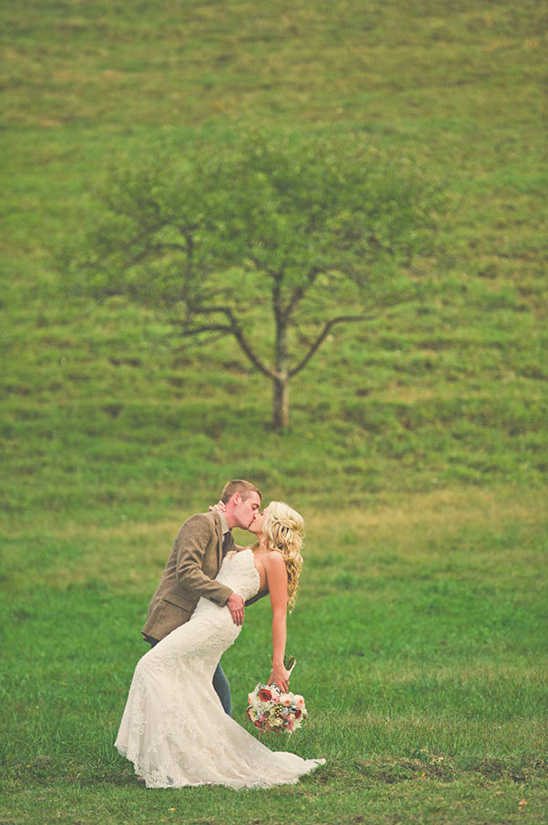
x: 174, y: 728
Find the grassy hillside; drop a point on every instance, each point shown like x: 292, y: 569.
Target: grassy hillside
x: 417, y: 448
x: 436, y: 393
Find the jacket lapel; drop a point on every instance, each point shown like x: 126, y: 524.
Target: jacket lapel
x: 219, y: 534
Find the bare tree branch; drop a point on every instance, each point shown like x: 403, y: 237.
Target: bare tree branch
x: 154, y: 249
x: 139, y: 237
x: 341, y: 319
x: 299, y: 292
x: 190, y: 331
x: 234, y: 328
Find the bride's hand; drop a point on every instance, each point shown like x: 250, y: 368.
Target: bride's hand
x: 220, y: 507
x: 280, y: 676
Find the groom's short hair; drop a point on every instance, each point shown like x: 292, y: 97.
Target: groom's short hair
x: 238, y: 485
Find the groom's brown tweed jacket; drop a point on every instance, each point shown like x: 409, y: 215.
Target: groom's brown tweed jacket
x: 189, y: 574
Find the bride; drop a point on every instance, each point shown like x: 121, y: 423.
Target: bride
x: 174, y: 728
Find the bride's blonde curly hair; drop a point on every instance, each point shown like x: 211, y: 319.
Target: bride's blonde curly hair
x: 284, y: 529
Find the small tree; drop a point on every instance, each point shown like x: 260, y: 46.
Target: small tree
x: 317, y: 230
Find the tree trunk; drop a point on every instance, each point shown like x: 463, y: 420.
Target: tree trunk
x: 280, y: 418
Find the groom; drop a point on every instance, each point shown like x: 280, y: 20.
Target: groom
x: 199, y: 548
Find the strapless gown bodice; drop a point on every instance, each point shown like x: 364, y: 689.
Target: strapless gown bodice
x: 238, y: 572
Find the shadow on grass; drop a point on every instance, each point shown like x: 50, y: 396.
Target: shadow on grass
x: 424, y: 764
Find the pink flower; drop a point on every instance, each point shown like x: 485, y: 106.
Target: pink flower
x: 270, y: 710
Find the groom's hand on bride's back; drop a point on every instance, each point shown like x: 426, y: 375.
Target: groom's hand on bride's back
x: 236, y: 606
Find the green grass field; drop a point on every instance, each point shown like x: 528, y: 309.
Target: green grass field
x: 418, y: 445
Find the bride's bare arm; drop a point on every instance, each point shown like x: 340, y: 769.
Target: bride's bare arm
x: 276, y: 576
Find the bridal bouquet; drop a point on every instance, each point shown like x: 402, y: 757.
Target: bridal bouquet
x: 272, y: 711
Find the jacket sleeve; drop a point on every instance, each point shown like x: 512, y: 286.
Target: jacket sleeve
x: 194, y: 538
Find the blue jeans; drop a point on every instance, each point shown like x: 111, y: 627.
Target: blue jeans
x: 221, y: 685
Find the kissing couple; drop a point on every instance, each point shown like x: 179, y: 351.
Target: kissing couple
x: 177, y: 727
